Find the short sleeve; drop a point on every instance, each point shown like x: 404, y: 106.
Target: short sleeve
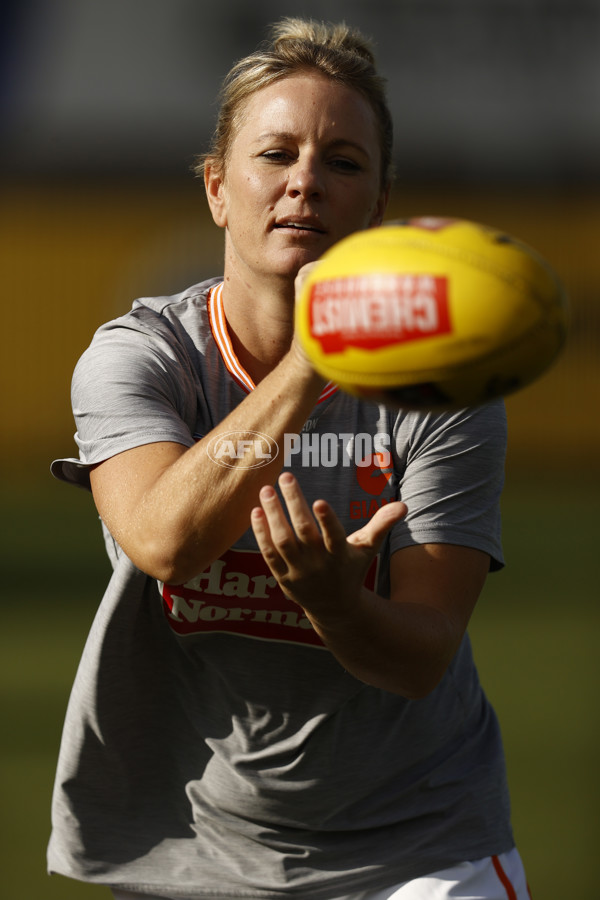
x: 451, y: 479
x: 134, y: 385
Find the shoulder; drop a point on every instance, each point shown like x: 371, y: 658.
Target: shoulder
x: 169, y: 327
x: 179, y: 304
x: 478, y: 426
x: 185, y: 310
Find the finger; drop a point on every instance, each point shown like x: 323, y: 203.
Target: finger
x: 297, y: 347
x: 372, y: 534
x: 302, y: 275
x: 262, y: 534
x: 280, y: 531
x: 301, y: 517
x: 258, y: 521
x: 332, y: 530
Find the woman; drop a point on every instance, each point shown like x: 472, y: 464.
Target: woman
x: 267, y: 707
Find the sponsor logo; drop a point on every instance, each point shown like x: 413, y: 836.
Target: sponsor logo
x: 238, y: 595
x: 246, y: 449
x: 374, y: 311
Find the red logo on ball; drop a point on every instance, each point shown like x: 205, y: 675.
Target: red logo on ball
x: 373, y: 311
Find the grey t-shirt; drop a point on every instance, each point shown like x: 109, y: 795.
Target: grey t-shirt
x: 212, y: 746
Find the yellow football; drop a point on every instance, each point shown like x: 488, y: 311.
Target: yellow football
x: 431, y: 313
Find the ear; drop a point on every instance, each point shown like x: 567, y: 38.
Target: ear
x: 215, y: 192
x: 380, y: 208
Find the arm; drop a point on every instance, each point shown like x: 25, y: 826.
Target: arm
x: 172, y: 509
x: 402, y: 644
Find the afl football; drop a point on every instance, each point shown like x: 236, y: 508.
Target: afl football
x: 431, y: 314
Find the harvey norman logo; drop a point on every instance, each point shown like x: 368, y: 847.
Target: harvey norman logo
x: 253, y: 449
x: 237, y: 594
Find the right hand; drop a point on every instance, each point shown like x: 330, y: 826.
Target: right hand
x: 296, y: 347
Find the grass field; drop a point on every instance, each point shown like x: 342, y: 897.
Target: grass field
x: 535, y: 634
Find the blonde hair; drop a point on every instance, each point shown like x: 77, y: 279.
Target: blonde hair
x: 298, y: 45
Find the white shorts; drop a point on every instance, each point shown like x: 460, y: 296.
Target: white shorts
x: 493, y: 878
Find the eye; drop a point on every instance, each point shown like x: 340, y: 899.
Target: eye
x: 277, y: 156
x: 344, y: 164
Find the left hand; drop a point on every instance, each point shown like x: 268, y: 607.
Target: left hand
x: 315, y: 563
x: 402, y: 643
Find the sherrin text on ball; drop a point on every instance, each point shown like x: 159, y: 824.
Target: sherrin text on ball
x: 432, y: 313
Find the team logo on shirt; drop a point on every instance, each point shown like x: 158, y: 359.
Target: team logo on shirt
x: 373, y: 476
x: 237, y: 594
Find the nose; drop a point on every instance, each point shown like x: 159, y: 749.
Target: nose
x: 305, y: 178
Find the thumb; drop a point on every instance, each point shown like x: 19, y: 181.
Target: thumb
x: 372, y: 534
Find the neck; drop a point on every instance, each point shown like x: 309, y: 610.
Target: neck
x: 260, y: 322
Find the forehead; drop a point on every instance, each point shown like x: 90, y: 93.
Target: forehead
x: 309, y: 104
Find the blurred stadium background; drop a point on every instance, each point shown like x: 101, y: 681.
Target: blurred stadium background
x: 103, y: 105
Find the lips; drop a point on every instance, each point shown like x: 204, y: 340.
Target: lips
x: 301, y: 225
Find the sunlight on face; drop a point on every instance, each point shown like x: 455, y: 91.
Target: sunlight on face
x: 303, y: 172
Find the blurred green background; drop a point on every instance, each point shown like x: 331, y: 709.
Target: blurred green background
x: 82, y: 234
